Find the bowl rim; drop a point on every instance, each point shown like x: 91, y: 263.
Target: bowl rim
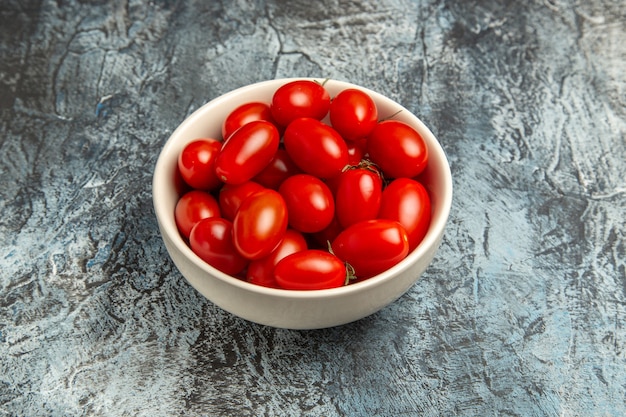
x: 431, y: 239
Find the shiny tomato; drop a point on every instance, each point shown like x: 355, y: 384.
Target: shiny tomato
x: 356, y: 151
x: 247, y: 152
x: 407, y: 202
x: 261, y: 271
x: 398, y: 149
x: 231, y: 196
x: 353, y: 114
x: 311, y: 269
x: 212, y: 240
x: 309, y: 202
x: 358, y: 195
x: 196, y: 163
x: 192, y: 207
x: 300, y: 98
x: 246, y: 113
x: 372, y: 246
x: 260, y: 224
x: 316, y: 148
x: 280, y: 168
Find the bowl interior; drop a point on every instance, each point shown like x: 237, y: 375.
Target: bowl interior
x: 206, y: 122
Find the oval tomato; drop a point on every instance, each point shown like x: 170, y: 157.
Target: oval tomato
x: 371, y: 246
x: 261, y: 271
x: 356, y: 151
x: 398, y: 149
x: 280, y: 168
x: 212, y: 240
x: 311, y: 269
x: 247, y: 152
x: 407, y: 202
x: 246, y: 113
x: 315, y: 147
x: 196, y: 163
x: 358, y: 195
x: 260, y: 224
x: 192, y: 207
x: 309, y: 202
x: 232, y: 195
x: 300, y: 98
x: 353, y: 114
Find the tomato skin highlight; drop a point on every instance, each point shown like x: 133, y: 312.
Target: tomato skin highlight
x: 309, y: 201
x: 212, y: 240
x: 358, y: 196
x: 371, y: 246
x: 260, y: 224
x: 300, y: 98
x: 356, y: 151
x: 353, y: 114
x: 261, y: 271
x: 311, y: 269
x: 315, y: 147
x: 196, y: 163
x: 247, y: 151
x: 192, y: 207
x: 398, y: 149
x: 246, y: 113
x: 407, y: 202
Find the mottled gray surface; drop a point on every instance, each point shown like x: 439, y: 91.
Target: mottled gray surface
x: 522, y: 313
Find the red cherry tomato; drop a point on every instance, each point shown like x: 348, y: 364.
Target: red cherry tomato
x: 261, y: 271
x: 398, y: 149
x: 231, y: 196
x: 358, y: 195
x: 192, y: 207
x: 280, y: 168
x: 260, y: 224
x: 247, y: 152
x: 246, y: 113
x: 407, y: 202
x: 301, y: 98
x: 316, y: 148
x: 324, y: 237
x: 353, y: 114
x: 311, y: 269
x: 212, y: 240
x: 180, y: 185
x: 196, y: 163
x: 372, y: 246
x: 309, y: 202
x: 356, y: 151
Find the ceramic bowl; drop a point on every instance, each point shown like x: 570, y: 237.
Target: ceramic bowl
x: 285, y: 308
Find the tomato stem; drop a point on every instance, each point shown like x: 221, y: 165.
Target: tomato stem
x: 390, y: 117
x: 330, y: 248
x: 323, y: 82
x: 368, y: 164
x: 350, y: 273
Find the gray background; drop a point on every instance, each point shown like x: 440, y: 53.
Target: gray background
x: 520, y: 314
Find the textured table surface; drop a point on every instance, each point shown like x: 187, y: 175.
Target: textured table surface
x: 522, y: 312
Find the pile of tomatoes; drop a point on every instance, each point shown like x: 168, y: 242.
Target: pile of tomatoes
x: 305, y: 192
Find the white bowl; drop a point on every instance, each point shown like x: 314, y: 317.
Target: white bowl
x: 286, y: 308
